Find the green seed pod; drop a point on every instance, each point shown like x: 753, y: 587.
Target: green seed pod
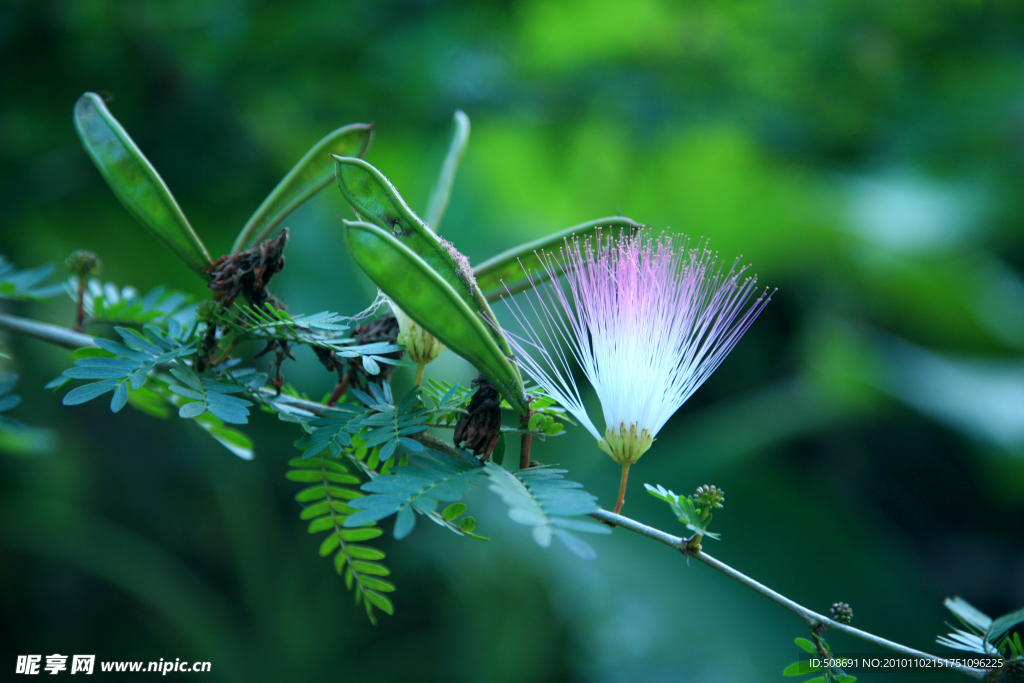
x: 374, y: 198
x: 135, y: 182
x: 312, y: 173
x: 428, y: 298
x: 506, y: 272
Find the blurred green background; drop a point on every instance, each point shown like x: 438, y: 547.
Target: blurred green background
x: 866, y: 156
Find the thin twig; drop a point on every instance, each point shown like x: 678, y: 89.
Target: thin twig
x: 54, y: 334
x: 812, y: 618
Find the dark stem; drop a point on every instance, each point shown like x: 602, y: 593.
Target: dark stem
x: 524, y: 450
x: 80, y: 309
x: 525, y: 441
x: 339, y: 390
x: 622, y: 488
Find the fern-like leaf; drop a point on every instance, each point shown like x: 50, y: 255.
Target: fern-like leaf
x: 324, y: 330
x: 327, y: 508
x: 333, y: 431
x: 450, y: 400
x: 157, y: 400
x: 967, y: 642
x: 388, y: 425
x: 540, y: 498
x: 209, y: 395
x: 129, y: 364
x: 684, y: 509
x: 418, y: 486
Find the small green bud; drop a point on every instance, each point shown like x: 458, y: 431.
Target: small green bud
x: 708, y: 497
x: 842, y: 612
x: 421, y: 346
x: 82, y: 263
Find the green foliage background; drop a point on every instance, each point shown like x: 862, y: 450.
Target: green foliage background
x: 868, y: 431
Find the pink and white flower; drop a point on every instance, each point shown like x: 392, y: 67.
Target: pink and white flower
x: 647, y: 318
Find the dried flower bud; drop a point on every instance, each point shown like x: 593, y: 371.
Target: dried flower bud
x: 709, y: 497
x: 480, y: 429
x: 842, y: 612
x: 248, y: 272
x: 82, y: 263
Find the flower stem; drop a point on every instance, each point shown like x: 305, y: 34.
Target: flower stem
x: 622, y: 488
x: 525, y: 440
x: 419, y: 373
x: 339, y: 390
x: 80, y: 306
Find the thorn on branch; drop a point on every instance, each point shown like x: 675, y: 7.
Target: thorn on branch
x: 282, y: 353
x: 329, y: 359
x: 271, y: 346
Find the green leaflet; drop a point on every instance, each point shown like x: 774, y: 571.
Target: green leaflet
x: 427, y: 297
x: 313, y: 172
x: 328, y: 511
x: 25, y: 284
x: 135, y: 182
x: 419, y: 486
x: 374, y: 198
x: 969, y: 614
x: 508, y: 267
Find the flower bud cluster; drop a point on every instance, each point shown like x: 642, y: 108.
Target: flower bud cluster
x: 708, y: 497
x: 82, y: 263
x: 842, y: 612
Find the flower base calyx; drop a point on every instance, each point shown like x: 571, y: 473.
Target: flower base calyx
x: 627, y: 445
